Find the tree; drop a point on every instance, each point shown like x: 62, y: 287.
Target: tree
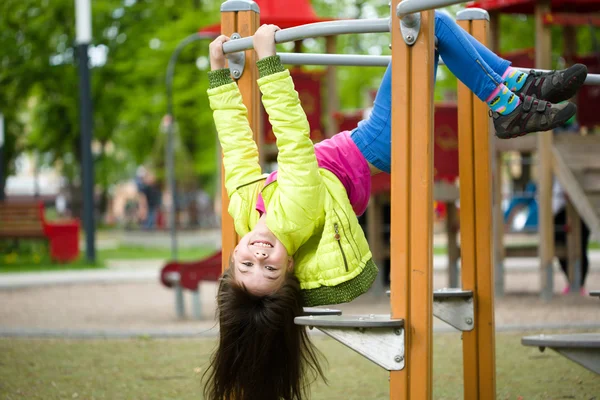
x: 132, y: 44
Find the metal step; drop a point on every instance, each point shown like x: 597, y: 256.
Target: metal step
x: 378, y: 338
x: 582, y: 348
x: 454, y: 307
x: 321, y: 311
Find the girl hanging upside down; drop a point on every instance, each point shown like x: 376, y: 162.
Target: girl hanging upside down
x: 301, y: 244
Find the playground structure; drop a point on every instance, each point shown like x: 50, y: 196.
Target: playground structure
x: 402, y: 342
x: 555, y: 156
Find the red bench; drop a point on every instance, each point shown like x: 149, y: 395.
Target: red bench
x: 25, y: 220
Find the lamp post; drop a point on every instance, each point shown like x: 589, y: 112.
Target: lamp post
x: 83, y: 20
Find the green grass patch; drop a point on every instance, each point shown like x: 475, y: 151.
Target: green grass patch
x: 34, y: 257
x: 171, y: 369
x: 141, y: 253
x: 47, y: 265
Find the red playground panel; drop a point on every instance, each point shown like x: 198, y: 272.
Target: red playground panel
x: 528, y: 6
x: 193, y: 272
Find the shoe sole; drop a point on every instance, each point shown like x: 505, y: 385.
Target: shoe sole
x: 561, y: 118
x: 571, y: 86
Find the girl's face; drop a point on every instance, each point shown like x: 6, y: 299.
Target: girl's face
x: 261, y: 261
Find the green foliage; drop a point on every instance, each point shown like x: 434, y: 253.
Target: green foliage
x: 132, y: 43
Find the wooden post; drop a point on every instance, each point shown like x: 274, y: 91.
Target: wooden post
x: 574, y: 247
x: 412, y: 202
x: 453, y: 250
x: 245, y: 22
x: 543, y: 60
x: 333, y: 101
x: 499, y: 251
x: 474, y: 140
x: 374, y: 225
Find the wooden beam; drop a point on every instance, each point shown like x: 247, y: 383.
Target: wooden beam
x: 333, y: 101
x: 476, y: 236
x: 245, y: 23
x: 543, y: 60
x: 228, y: 235
x: 412, y: 215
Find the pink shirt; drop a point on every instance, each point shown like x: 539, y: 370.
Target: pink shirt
x: 340, y: 155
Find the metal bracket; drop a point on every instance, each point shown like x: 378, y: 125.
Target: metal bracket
x: 237, y: 61
x: 378, y: 338
x: 410, y: 26
x: 454, y: 307
x: 582, y: 348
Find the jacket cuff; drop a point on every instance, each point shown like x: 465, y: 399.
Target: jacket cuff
x: 269, y: 65
x: 219, y: 77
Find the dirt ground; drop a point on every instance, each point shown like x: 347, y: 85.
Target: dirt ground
x: 147, y: 306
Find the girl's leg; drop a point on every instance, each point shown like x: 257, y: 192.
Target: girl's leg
x: 463, y: 59
x: 496, y: 63
x: 458, y: 49
x: 373, y: 134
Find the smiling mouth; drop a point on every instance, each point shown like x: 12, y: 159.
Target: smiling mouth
x: 262, y: 243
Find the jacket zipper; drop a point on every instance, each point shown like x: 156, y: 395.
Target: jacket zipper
x: 337, y: 238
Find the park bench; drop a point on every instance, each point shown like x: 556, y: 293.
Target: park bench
x: 26, y: 221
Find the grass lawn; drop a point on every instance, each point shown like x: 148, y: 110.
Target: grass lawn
x: 151, y: 369
x: 39, y: 261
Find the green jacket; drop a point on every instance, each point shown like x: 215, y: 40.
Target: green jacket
x: 307, y: 207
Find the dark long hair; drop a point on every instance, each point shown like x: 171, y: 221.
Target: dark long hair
x: 261, y: 354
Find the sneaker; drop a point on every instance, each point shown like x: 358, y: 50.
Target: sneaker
x: 532, y: 115
x: 554, y: 86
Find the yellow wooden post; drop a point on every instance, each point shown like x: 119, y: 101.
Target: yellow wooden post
x: 497, y: 168
x: 476, y: 226
x: 543, y: 59
x: 411, y: 196
x: 243, y: 18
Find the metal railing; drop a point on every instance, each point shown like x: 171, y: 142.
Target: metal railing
x: 408, y: 7
x: 318, y: 29
x: 360, y: 60
x: 355, y: 60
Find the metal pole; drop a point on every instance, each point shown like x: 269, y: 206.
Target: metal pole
x: 361, y: 60
x: 407, y: 7
x: 318, y: 29
x: 170, y: 153
x: 334, y: 59
x: 2, y: 154
x: 84, y: 36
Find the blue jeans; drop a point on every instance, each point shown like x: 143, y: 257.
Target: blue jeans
x: 470, y: 61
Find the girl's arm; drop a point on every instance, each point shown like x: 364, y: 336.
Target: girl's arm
x: 240, y: 153
x: 298, y: 170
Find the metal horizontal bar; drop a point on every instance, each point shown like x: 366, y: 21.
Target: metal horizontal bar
x: 361, y: 60
x: 318, y: 29
x: 592, y: 79
x: 356, y: 60
x: 407, y: 7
